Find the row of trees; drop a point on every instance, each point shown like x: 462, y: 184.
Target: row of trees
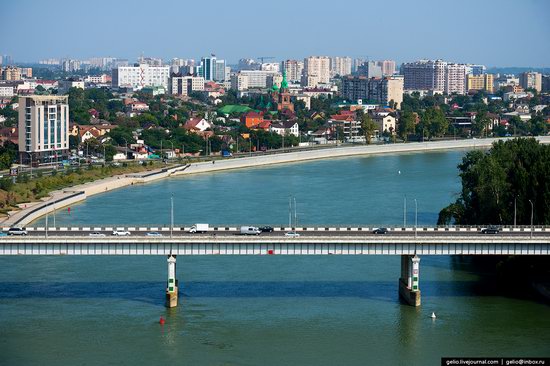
x: 504, y: 180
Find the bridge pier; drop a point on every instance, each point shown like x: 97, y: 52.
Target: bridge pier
x: 409, y: 289
x: 172, y: 285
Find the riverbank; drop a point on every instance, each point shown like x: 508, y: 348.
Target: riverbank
x: 78, y: 193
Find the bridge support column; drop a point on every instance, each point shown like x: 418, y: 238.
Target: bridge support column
x: 409, y: 289
x: 172, y: 285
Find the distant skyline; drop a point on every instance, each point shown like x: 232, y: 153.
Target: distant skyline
x: 468, y: 31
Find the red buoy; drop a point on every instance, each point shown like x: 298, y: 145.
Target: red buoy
x: 69, y: 209
x: 270, y: 252
x: 162, y: 321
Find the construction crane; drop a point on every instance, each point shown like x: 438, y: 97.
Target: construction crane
x: 262, y: 58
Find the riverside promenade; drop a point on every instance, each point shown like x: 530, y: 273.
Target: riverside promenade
x: 71, y: 195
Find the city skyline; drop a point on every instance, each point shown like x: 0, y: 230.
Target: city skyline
x: 290, y: 31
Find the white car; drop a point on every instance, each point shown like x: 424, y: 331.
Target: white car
x: 121, y: 233
x: 292, y: 234
x: 96, y: 234
x: 17, y: 231
x: 154, y: 233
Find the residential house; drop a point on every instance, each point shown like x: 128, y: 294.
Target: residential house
x: 197, y: 124
x: 252, y: 118
x: 385, y: 123
x: 347, y: 121
x: 285, y: 128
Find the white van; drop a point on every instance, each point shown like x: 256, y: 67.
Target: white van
x: 250, y: 230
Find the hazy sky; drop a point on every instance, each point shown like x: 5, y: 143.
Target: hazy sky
x: 491, y: 32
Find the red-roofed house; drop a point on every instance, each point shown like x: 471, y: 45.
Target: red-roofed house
x: 197, y: 124
x: 251, y: 119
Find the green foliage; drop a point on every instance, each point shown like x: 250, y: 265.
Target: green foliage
x: 406, y: 124
x: 432, y: 123
x: 368, y: 126
x: 516, y: 170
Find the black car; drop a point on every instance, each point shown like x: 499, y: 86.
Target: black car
x: 380, y: 230
x: 266, y: 229
x: 490, y: 230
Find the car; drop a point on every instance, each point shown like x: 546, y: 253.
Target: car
x: 380, y: 230
x: 96, y: 234
x: 121, y: 233
x: 266, y: 229
x: 17, y: 231
x: 292, y: 234
x: 490, y: 230
x: 154, y: 233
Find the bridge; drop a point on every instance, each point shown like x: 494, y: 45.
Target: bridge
x: 408, y: 242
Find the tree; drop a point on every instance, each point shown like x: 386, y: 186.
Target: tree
x: 406, y: 124
x: 511, y: 173
x: 368, y: 126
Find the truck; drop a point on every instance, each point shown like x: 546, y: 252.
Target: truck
x: 199, y: 228
x: 250, y: 230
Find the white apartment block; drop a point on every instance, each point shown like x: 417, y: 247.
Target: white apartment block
x: 6, y: 91
x: 455, y: 79
x: 97, y: 79
x: 318, y: 66
x: 386, y: 89
x: 293, y: 69
x: 140, y: 76
x: 531, y: 80
x: 340, y: 66
x: 239, y: 81
x: 185, y: 85
x: 257, y: 78
x: 387, y: 66
x: 270, y: 66
x: 437, y: 76
x: 43, y: 127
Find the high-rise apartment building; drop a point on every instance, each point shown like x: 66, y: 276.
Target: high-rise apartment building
x: 185, y: 85
x: 435, y: 75
x: 545, y: 83
x: 140, y: 76
x: 531, y: 80
x: 293, y: 69
x: 370, y: 69
x: 239, y: 81
x: 340, y: 66
x: 43, y: 128
x: 10, y: 73
x: 455, y: 77
x: 318, y: 66
x: 69, y: 65
x: 387, y: 67
x: 375, y: 90
x: 480, y: 82
x: 151, y: 61
x: 475, y: 69
x: 257, y: 78
x: 219, y: 71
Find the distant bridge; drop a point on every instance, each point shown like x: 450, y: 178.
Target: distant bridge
x: 408, y: 242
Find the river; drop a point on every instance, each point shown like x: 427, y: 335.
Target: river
x: 265, y: 310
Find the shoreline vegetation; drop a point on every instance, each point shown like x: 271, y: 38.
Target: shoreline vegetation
x: 507, y: 185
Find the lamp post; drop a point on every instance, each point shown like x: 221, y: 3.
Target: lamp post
x: 125, y: 147
x: 532, y: 212
x: 515, y: 210
x: 171, y: 214
x: 415, y: 218
x: 404, y: 211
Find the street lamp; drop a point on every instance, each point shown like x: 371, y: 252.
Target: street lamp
x: 171, y: 214
x: 415, y: 218
x: 405, y: 211
x: 515, y: 210
x: 126, y: 147
x: 532, y: 211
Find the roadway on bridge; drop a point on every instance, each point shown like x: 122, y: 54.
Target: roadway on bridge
x: 310, y: 232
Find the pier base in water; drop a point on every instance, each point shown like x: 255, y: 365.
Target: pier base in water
x: 172, y: 286
x: 409, y: 289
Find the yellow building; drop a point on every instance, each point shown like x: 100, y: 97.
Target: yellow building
x: 480, y: 82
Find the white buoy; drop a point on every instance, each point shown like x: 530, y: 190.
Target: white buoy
x: 399, y: 172
x: 433, y: 315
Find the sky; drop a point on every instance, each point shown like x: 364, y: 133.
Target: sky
x: 492, y: 32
